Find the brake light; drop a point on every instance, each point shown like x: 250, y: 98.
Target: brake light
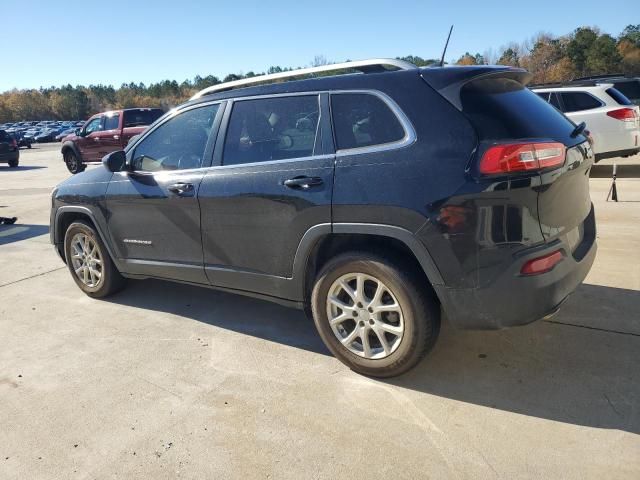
x: 14, y: 143
x: 521, y: 157
x: 623, y: 114
x: 542, y: 264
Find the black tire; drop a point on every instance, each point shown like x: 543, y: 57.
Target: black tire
x: 14, y: 163
x: 28, y: 145
x: 110, y: 281
x: 420, y: 311
x: 74, y: 164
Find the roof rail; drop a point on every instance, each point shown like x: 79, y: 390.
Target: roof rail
x: 600, y: 77
x: 364, y: 66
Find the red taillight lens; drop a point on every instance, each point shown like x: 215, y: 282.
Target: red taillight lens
x: 623, y: 114
x: 14, y: 143
x: 542, y: 264
x: 521, y: 157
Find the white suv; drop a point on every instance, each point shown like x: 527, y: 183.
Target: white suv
x: 612, y: 120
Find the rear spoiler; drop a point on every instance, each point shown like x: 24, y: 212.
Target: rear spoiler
x: 448, y: 81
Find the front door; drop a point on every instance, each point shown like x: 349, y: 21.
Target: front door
x: 273, y: 181
x: 89, y: 140
x: 153, y: 212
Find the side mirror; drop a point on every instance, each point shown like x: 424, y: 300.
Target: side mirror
x: 78, y: 132
x: 115, y: 161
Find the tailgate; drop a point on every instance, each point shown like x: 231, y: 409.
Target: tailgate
x: 4, y: 147
x: 563, y: 198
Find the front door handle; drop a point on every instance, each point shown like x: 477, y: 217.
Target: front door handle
x: 182, y: 189
x: 303, y: 182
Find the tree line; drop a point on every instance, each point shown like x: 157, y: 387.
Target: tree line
x: 585, y: 51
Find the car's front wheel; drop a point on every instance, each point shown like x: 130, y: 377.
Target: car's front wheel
x: 89, y: 262
x: 375, y: 316
x: 74, y: 165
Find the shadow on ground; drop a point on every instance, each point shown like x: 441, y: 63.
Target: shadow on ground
x: 17, y: 232
x: 562, y: 372
x: 20, y: 168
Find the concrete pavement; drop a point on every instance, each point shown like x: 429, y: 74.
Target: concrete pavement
x: 169, y: 381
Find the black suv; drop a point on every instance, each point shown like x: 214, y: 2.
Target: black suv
x: 376, y: 201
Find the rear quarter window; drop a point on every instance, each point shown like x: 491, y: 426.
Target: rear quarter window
x: 618, y: 96
x: 363, y: 120
x: 138, y: 118
x: 503, y: 109
x: 630, y: 89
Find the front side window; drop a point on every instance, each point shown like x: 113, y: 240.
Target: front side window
x: 94, y: 125
x: 112, y: 122
x: 271, y: 129
x: 177, y: 144
x: 577, y: 101
x: 543, y: 95
x: 362, y: 120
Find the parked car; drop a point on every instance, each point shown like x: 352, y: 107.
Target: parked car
x: 372, y: 201
x: 612, y: 120
x: 22, y: 141
x: 65, y: 133
x: 9, y: 150
x: 104, y: 133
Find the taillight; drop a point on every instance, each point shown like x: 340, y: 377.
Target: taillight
x: 521, y: 157
x: 542, y: 264
x: 14, y: 143
x: 623, y: 114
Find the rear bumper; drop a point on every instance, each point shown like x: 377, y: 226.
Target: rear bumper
x: 513, y: 299
x: 9, y: 156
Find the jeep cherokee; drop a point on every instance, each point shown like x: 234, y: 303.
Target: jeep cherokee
x: 376, y: 201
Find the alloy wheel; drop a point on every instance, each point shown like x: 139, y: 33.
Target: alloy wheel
x: 86, y: 259
x: 365, y: 315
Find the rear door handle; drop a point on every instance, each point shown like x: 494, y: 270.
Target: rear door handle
x: 182, y: 189
x: 303, y: 182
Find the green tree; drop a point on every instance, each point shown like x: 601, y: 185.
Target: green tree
x: 603, y: 56
x: 578, y: 47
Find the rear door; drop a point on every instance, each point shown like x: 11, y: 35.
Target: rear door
x: 273, y: 181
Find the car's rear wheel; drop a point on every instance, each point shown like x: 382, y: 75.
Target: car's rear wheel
x: 74, y: 165
x: 374, y: 316
x: 89, y: 262
x: 14, y: 163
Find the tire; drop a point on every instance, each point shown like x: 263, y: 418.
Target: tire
x: 14, y: 163
x: 418, y: 316
x: 110, y: 281
x: 74, y: 164
x: 29, y: 145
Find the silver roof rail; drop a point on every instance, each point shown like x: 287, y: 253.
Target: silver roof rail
x: 364, y: 66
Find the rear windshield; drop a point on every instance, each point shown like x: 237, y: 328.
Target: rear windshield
x: 137, y: 118
x: 502, y: 108
x: 4, y: 136
x: 631, y: 90
x: 618, y: 96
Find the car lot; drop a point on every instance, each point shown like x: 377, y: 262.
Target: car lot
x: 170, y: 381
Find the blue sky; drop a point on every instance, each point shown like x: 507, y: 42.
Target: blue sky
x: 114, y: 41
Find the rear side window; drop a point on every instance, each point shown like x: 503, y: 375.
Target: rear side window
x: 555, y: 101
x: 543, y: 95
x: 112, y: 122
x: 138, y: 118
x: 362, y: 120
x: 502, y: 108
x: 618, y: 96
x: 269, y: 129
x: 577, y: 101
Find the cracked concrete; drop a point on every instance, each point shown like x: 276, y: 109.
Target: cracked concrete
x: 170, y: 381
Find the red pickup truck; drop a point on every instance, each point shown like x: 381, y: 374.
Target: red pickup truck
x: 105, y: 133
